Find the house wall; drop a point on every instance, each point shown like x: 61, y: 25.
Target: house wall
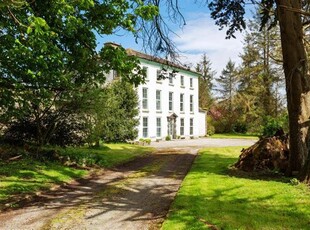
x: 165, y: 87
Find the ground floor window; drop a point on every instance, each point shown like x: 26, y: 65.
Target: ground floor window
x: 191, y: 126
x: 158, y: 127
x: 145, y: 126
x: 182, y: 126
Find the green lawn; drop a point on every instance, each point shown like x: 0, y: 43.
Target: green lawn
x: 214, y: 197
x: 107, y: 155
x: 234, y: 136
x: 27, y: 175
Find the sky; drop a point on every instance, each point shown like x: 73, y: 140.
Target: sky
x: 200, y: 35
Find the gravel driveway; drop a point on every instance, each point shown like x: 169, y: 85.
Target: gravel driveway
x: 136, y: 195
x: 202, y: 143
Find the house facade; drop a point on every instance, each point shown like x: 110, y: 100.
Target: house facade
x: 168, y: 106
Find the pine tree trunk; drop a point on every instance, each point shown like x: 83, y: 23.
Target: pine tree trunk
x: 297, y: 83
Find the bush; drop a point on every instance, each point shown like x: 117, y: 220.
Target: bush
x: 145, y: 141
x: 168, y: 138
x: 67, y: 131
x: 211, y: 130
x: 240, y: 127
x: 272, y: 125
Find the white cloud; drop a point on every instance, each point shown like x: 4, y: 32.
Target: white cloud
x: 200, y: 35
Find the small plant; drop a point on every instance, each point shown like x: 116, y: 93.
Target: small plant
x: 168, y: 138
x: 145, y: 141
x: 211, y: 130
x: 148, y: 141
x: 294, y: 181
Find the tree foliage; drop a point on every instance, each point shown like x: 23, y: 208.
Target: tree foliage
x: 49, y: 54
x: 291, y: 16
x: 205, y: 82
x: 112, y: 113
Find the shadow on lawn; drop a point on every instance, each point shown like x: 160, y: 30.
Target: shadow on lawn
x: 120, y: 190
x: 228, y: 201
x: 222, y: 210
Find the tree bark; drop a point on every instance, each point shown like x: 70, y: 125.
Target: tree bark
x: 297, y: 84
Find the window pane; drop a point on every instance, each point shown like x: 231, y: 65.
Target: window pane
x: 170, y: 101
x: 158, y: 75
x: 170, y: 78
x: 145, y: 127
x: 146, y: 72
x: 182, y: 126
x: 191, y: 126
x: 144, y: 98
x: 158, y: 100
x: 181, y: 102
x: 158, y: 127
x: 182, y: 80
x: 191, y: 103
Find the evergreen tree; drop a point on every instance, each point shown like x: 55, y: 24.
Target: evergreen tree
x: 205, y: 82
x: 260, y: 75
x: 227, y: 84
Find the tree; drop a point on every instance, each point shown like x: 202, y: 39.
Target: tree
x: 49, y: 55
x: 112, y: 113
x: 260, y: 75
x: 227, y: 82
x: 205, y: 82
x: 290, y: 15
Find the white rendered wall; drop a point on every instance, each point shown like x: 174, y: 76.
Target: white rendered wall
x: 152, y: 85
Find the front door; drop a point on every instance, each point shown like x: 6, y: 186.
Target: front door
x: 172, y: 126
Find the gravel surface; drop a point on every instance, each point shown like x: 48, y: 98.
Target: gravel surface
x: 203, y: 142
x: 135, y: 195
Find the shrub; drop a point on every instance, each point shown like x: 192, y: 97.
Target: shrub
x: 168, y: 138
x: 240, y: 127
x: 272, y: 125
x: 67, y: 131
x: 211, y: 130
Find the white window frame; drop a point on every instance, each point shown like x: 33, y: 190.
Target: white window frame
x: 144, y: 98
x: 191, y: 126
x: 146, y: 72
x: 182, y: 102
x: 170, y: 78
x: 191, y: 103
x: 181, y: 126
x: 158, y: 126
x: 145, y: 127
x: 158, y: 100
x: 170, y: 101
x: 182, y: 80
x: 158, y: 72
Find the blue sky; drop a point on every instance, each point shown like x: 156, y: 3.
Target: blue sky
x: 198, y: 36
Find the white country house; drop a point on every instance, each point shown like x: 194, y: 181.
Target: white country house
x: 168, y: 100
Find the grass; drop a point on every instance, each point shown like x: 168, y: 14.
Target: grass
x: 234, y: 136
x: 104, y: 156
x: 28, y: 175
x: 214, y: 197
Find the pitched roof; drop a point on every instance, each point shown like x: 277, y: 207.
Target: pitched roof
x: 166, y: 62
x: 159, y: 60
